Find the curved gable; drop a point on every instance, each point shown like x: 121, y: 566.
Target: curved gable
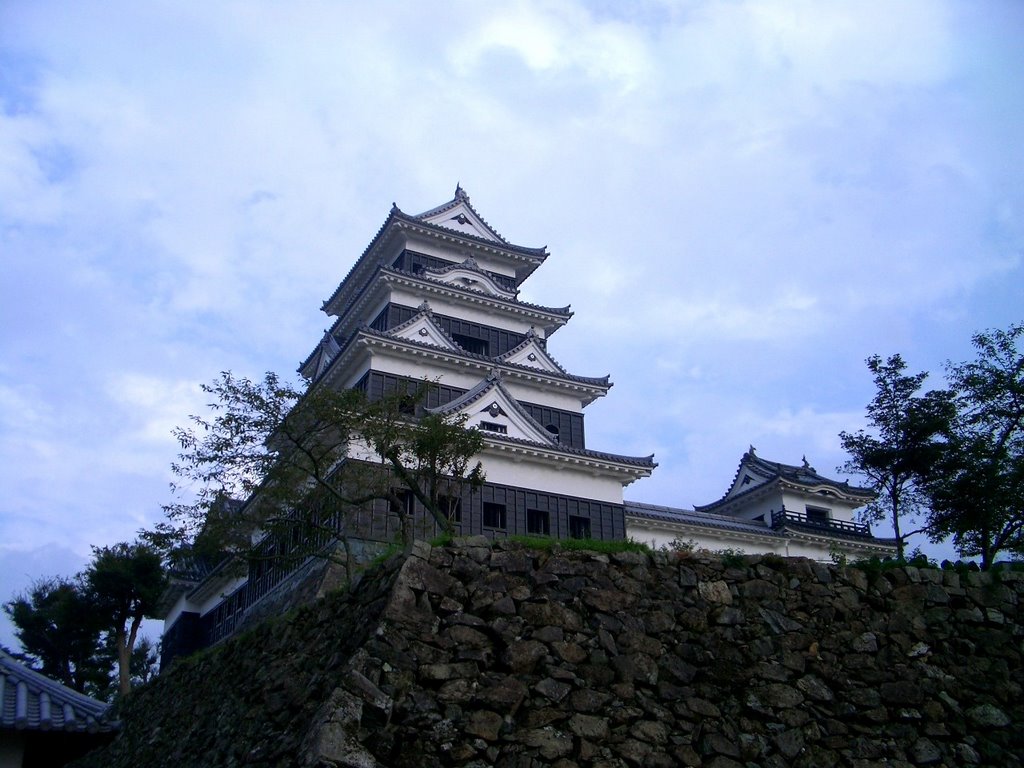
x: 469, y: 275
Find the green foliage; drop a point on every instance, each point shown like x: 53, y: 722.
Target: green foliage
x: 61, y: 633
x: 977, y: 485
x: 875, y: 566
x: 390, y: 551
x: 679, y: 547
x: 305, y: 460
x: 76, y: 630
x: 145, y: 661
x: 905, y: 438
x: 957, y: 456
x: 126, y: 582
x: 731, y: 557
x: 837, y: 555
x: 547, y: 543
x: 604, y: 546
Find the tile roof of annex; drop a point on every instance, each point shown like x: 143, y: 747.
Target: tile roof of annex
x: 802, y: 477
x: 30, y: 700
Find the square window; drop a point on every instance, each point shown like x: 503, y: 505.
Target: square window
x: 579, y: 527
x: 817, y: 516
x: 494, y: 515
x: 538, y: 522
x: 471, y: 344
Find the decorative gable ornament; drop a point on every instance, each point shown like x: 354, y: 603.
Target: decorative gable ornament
x: 490, y: 408
x: 424, y: 329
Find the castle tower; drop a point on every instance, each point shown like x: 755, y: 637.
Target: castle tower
x: 435, y: 296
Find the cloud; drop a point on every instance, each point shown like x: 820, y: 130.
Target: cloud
x: 152, y: 406
x: 556, y: 40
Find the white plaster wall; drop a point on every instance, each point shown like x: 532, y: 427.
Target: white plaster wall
x: 215, y: 594
x: 212, y: 597
x: 764, y: 506
x: 838, y: 509
x: 656, y: 535
x: 533, y: 392
x: 179, y: 607
x: 534, y: 473
x: 552, y: 477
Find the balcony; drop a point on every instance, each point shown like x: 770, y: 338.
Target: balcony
x: 801, y: 520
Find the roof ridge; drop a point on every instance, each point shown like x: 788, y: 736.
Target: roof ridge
x: 505, y: 245
x: 564, y: 311
x: 594, y: 380
x: 640, y: 461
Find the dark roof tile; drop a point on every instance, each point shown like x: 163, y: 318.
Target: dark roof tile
x: 32, y: 701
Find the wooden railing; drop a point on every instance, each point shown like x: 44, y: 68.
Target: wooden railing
x: 840, y: 526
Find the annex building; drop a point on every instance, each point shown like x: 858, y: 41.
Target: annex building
x: 435, y: 297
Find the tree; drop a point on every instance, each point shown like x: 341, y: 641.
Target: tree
x: 125, y: 582
x: 145, y: 662
x: 903, y: 445
x: 304, y: 459
x: 977, y: 486
x: 60, y: 632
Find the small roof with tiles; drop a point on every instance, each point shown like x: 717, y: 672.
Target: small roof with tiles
x: 755, y: 473
x: 30, y: 700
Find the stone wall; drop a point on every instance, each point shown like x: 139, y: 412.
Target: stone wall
x: 480, y: 654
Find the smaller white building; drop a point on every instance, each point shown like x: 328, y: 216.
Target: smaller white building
x: 785, y: 509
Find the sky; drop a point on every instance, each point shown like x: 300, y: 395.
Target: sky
x: 742, y: 202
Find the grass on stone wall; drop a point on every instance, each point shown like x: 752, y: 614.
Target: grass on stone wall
x: 547, y: 543
x: 603, y: 546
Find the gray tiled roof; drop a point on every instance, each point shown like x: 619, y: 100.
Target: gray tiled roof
x: 32, y: 701
x: 692, y: 517
x: 770, y: 471
x: 565, y: 312
x: 804, y: 474
x: 595, y: 381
